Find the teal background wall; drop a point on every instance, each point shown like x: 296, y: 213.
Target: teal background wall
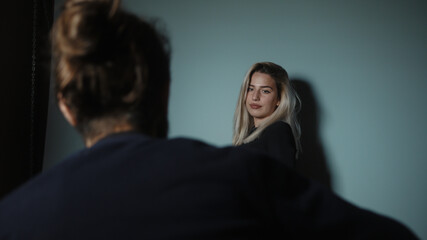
x: 364, y: 61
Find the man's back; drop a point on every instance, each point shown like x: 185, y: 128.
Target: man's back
x: 129, y: 186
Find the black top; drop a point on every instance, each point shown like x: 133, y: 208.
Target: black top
x: 129, y: 186
x: 278, y: 141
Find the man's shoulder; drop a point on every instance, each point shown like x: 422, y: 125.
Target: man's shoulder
x: 134, y: 143
x: 200, y: 149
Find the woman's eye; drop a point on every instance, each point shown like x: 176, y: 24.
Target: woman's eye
x: 266, y: 91
x: 250, y: 89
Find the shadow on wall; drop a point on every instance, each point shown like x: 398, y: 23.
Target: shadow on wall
x: 312, y: 162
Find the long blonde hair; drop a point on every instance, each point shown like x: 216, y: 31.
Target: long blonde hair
x: 286, y: 111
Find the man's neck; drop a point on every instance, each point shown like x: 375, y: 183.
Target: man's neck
x: 90, y: 141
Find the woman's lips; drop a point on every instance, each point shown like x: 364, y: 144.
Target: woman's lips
x: 255, y: 106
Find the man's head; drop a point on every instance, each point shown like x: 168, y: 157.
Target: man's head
x: 112, y: 69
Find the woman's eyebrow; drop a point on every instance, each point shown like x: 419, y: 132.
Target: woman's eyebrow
x: 250, y: 85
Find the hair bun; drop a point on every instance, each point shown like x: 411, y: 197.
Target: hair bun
x: 86, y: 28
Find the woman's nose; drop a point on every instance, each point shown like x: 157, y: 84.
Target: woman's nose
x: 255, y: 96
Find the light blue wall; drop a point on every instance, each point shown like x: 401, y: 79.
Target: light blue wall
x: 365, y: 61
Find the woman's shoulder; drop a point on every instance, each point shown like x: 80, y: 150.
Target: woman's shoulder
x: 277, y: 130
x: 278, y: 126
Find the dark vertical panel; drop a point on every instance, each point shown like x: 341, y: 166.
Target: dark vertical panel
x: 24, y: 85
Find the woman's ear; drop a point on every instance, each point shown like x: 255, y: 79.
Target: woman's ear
x: 66, y: 111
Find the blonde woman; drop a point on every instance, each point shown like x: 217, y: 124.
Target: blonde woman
x: 265, y: 116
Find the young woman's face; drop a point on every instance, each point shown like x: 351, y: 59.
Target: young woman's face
x: 262, y: 97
